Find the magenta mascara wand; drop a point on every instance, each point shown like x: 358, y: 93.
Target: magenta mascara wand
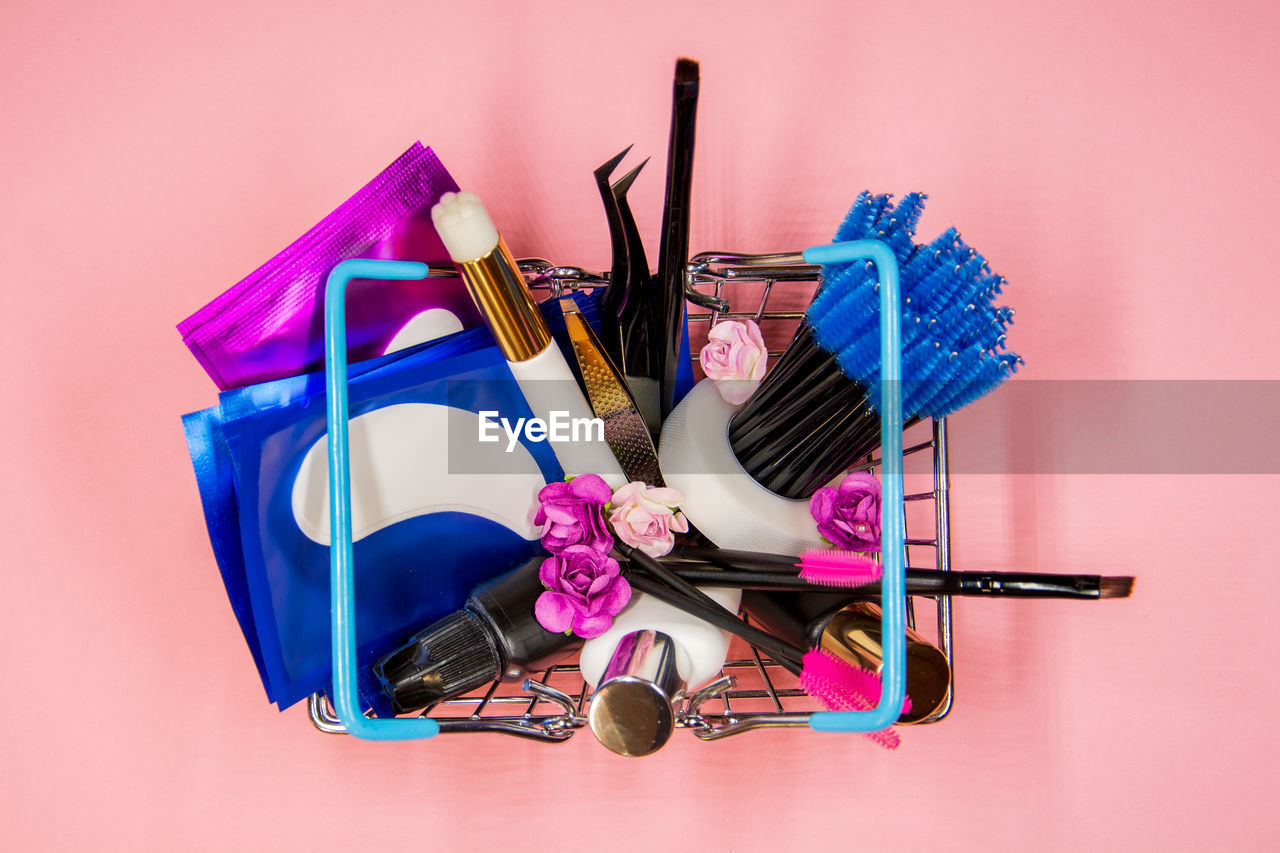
x: 834, y: 567
x: 841, y: 686
x: 818, y: 566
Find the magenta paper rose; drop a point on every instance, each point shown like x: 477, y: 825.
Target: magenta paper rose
x: 573, y: 513
x: 848, y: 515
x: 648, y: 519
x: 735, y: 358
x: 585, y: 590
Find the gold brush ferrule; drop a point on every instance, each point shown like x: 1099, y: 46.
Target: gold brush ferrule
x: 499, y: 291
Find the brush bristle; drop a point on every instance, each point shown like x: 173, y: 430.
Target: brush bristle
x: 834, y: 567
x: 953, y: 334
x: 464, y: 226
x: 841, y: 686
x: 1117, y: 587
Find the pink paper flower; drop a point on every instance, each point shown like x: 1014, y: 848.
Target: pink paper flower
x: 648, y: 519
x: 848, y: 515
x: 585, y: 590
x: 573, y: 513
x: 735, y: 358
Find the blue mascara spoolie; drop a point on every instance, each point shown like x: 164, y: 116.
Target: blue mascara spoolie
x: 747, y: 471
x: 817, y: 411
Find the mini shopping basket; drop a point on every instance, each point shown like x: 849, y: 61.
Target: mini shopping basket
x: 552, y: 707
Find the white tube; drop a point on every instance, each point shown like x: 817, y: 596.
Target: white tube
x: 701, y: 647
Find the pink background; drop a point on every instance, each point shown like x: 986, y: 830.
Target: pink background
x: 1102, y: 154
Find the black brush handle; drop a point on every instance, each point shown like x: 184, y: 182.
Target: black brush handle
x: 786, y: 655
x: 762, y: 580
x: 673, y: 252
x: 806, y: 423
x: 656, y: 568
x: 1011, y: 584
x: 918, y: 582
x: 696, y: 597
x: 730, y: 559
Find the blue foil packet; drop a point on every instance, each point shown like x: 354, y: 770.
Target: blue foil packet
x: 270, y: 546
x: 415, y: 560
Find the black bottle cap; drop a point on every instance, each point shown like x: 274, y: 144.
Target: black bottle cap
x: 454, y: 656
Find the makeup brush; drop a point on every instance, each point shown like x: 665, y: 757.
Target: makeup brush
x: 748, y: 570
x: 923, y: 582
x: 495, y: 283
x: 673, y: 252
x: 816, y: 412
x: 747, y: 471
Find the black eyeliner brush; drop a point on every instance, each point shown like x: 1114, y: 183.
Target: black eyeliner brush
x: 921, y: 582
x: 673, y: 253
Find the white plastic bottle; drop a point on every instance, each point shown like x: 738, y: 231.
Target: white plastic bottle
x: 639, y: 666
x: 701, y: 647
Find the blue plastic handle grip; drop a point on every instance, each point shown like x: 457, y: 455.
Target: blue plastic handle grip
x: 893, y: 584
x: 341, y: 578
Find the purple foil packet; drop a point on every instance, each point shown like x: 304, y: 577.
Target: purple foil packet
x: 271, y: 324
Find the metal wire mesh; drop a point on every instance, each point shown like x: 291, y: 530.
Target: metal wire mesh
x: 753, y: 692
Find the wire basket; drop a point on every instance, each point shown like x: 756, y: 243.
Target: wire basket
x: 752, y: 691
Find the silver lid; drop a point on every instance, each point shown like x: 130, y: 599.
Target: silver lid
x: 631, y: 711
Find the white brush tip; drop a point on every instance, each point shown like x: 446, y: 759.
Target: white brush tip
x: 464, y: 226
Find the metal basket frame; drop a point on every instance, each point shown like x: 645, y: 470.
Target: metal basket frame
x: 549, y: 713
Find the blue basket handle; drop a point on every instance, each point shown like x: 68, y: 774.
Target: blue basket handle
x: 893, y: 584
x: 341, y: 579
